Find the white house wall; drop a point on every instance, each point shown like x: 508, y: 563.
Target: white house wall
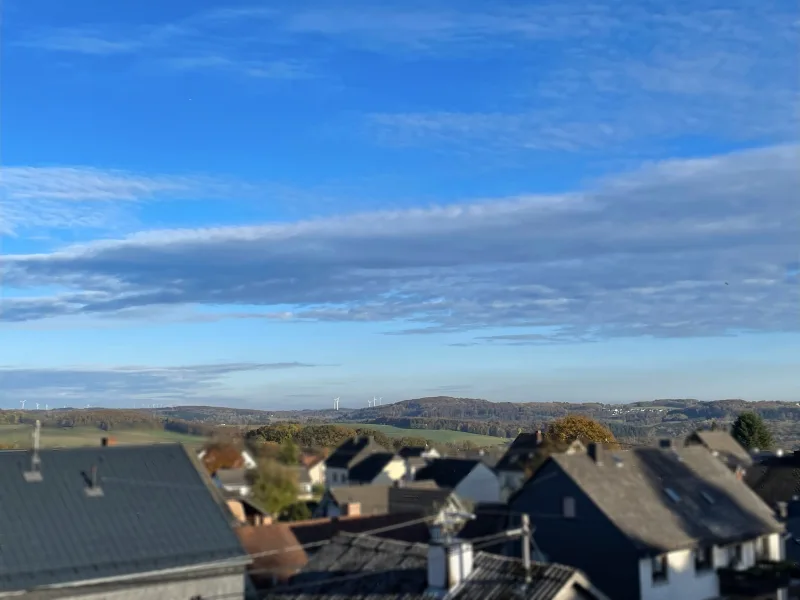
x: 394, y: 471
x: 685, y: 583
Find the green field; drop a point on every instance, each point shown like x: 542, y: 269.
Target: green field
x: 52, y: 437
x: 443, y: 436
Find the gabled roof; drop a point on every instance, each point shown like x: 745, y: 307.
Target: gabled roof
x: 367, y: 567
x: 722, y: 444
x: 156, y: 512
x: 666, y: 499
x: 351, y: 451
x: 776, y: 478
x: 374, y: 499
x: 412, y: 451
x: 368, y: 468
x: 232, y: 477
x: 428, y: 501
x: 522, y: 448
x: 447, y: 472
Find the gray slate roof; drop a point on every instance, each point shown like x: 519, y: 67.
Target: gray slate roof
x: 232, y: 477
x: 352, y: 451
x: 387, y: 499
x: 722, y: 444
x: 367, y: 469
x: 631, y: 489
x: 447, y: 472
x: 156, y: 512
x: 776, y: 478
x: 522, y: 448
x: 370, y: 567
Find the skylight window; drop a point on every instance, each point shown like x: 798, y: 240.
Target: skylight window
x: 708, y: 497
x: 673, y: 495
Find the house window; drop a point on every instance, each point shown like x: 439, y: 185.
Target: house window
x: 569, y: 507
x: 659, y: 566
x: 703, y: 558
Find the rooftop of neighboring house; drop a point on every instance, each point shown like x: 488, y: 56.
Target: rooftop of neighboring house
x: 490, y: 517
x: 413, y: 451
x: 522, y: 448
x: 102, y: 512
x: 382, y: 499
x: 776, y: 478
x: 232, y: 477
x: 665, y: 498
x: 488, y: 456
x: 447, y: 472
x: 311, y: 460
x: 281, y: 549
x: 352, y: 451
x: 367, y: 567
x: 721, y: 444
x: 368, y: 468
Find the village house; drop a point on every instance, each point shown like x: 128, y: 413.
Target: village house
x: 470, y: 479
x: 114, y: 522
x: 659, y: 523
x: 339, y: 464
x: 722, y: 445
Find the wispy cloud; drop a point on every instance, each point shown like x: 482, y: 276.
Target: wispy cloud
x: 89, y: 198
x: 677, y: 248
x: 115, y: 386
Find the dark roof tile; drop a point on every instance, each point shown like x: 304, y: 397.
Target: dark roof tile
x: 153, y: 498
x: 447, y: 472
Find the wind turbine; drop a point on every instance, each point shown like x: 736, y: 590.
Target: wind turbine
x: 336, y: 403
x: 23, y: 403
x: 380, y: 401
x: 37, y: 406
x: 45, y: 407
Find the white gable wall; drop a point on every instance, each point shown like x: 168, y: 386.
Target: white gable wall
x: 392, y: 472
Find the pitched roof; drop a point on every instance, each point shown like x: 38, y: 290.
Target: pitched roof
x: 374, y: 499
x: 399, y: 526
x: 232, y: 477
x: 427, y: 501
x: 447, y: 472
x: 368, y: 567
x: 664, y: 499
x: 146, y: 519
x: 523, y: 447
x: 368, y: 468
x: 412, y: 451
x: 723, y: 444
x: 351, y: 451
x: 776, y: 478
x: 277, y: 551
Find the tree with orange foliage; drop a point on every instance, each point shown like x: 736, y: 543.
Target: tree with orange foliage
x: 222, y: 456
x: 578, y: 427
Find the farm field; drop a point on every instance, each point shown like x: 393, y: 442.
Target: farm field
x: 444, y: 436
x: 58, y: 437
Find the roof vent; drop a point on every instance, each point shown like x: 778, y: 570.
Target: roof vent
x: 35, y: 474
x: 618, y: 460
x: 92, y: 489
x: 673, y: 495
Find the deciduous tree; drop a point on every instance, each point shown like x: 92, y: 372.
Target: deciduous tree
x: 274, y: 486
x: 578, y: 427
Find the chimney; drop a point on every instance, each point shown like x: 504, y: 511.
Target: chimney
x: 782, y: 510
x: 352, y: 509
x: 104, y: 442
x: 595, y: 452
x: 449, y: 565
x: 538, y: 437
x: 665, y: 444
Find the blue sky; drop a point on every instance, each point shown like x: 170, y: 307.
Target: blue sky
x: 272, y: 204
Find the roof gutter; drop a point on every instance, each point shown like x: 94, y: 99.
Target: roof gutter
x: 145, y: 577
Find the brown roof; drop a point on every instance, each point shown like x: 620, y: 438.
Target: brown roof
x: 284, y: 540
x: 287, y: 558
